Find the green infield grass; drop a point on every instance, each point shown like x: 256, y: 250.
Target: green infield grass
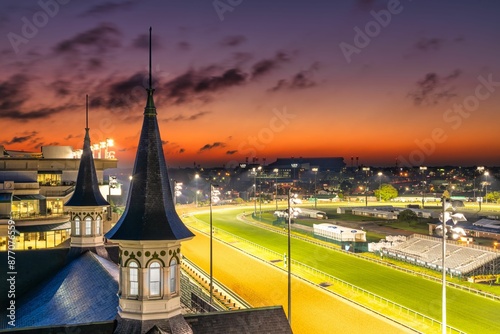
x: 466, y: 311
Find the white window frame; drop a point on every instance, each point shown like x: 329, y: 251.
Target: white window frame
x: 155, y: 279
x: 77, y: 225
x: 98, y: 225
x: 88, y: 225
x: 173, y: 275
x: 133, y: 279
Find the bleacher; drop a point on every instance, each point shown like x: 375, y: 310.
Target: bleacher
x: 427, y: 251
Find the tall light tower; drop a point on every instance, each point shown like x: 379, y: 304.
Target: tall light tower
x: 447, y: 216
x: 213, y: 199
x: 254, y: 172
x: 315, y: 171
x: 380, y: 186
x: 292, y: 199
x: 196, y: 177
x: 276, y: 170
x: 486, y: 174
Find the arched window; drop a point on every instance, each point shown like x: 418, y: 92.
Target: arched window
x: 154, y: 279
x: 173, y: 275
x: 98, y: 225
x: 88, y: 225
x: 133, y: 275
x: 77, y: 226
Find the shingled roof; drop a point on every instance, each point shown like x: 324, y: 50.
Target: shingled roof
x: 87, y: 191
x: 150, y: 213
x: 83, y: 292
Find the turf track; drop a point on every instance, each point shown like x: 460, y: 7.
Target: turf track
x: 261, y: 284
x: 468, y: 312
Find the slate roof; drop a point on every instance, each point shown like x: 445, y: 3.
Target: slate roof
x: 265, y: 320
x: 87, y: 191
x: 150, y: 213
x: 83, y: 292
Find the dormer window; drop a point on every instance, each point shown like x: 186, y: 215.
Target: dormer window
x: 173, y: 275
x: 154, y: 279
x: 77, y: 226
x: 133, y: 275
x: 88, y: 225
x: 98, y: 225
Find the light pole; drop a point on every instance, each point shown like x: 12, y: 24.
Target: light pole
x: 443, y: 301
x: 211, y: 243
x: 254, y: 171
x: 289, y: 254
x: 486, y: 186
x: 379, y: 186
x: 446, y: 217
x: 315, y: 171
x: 196, y: 177
x: 276, y: 187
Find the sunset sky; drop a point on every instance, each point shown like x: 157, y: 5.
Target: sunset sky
x: 416, y: 81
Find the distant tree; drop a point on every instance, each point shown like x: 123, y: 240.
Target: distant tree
x: 493, y: 197
x: 407, y: 216
x: 386, y: 192
x: 345, y: 186
x: 238, y: 200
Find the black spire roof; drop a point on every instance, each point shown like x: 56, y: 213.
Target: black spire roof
x: 150, y: 213
x: 87, y: 191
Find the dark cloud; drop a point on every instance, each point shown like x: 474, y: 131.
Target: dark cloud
x: 13, y: 93
x: 94, y: 64
x: 123, y: 93
x: 71, y: 136
x: 37, y: 113
x: 301, y: 80
x: 182, y: 150
x: 266, y: 65
x: 429, y: 44
x: 434, y: 88
x: 61, y: 88
x: 208, y: 147
x: 108, y: 7
x: 142, y: 42
x: 22, y: 139
x: 99, y: 39
x: 192, y: 117
x: 231, y: 77
x: 231, y: 152
x: 194, y: 83
x: 164, y: 142
x: 233, y: 40
x: 184, y: 46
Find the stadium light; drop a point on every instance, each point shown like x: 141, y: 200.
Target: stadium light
x: 196, y: 177
x: 292, y: 199
x: 213, y: 198
x: 315, y: 171
x: 276, y: 171
x: 448, y: 215
x: 380, y: 186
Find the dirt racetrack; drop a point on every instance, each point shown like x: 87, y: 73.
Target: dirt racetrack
x: 260, y: 284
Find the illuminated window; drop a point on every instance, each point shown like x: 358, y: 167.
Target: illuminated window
x: 173, y: 275
x: 98, y: 225
x: 88, y: 226
x: 133, y: 275
x: 154, y: 279
x: 77, y: 226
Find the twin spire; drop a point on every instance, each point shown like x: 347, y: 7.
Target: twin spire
x: 87, y: 191
x: 150, y: 213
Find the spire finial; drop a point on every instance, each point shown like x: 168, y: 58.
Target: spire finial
x: 150, y: 81
x: 86, y: 112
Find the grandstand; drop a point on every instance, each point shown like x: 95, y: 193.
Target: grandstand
x: 461, y: 260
